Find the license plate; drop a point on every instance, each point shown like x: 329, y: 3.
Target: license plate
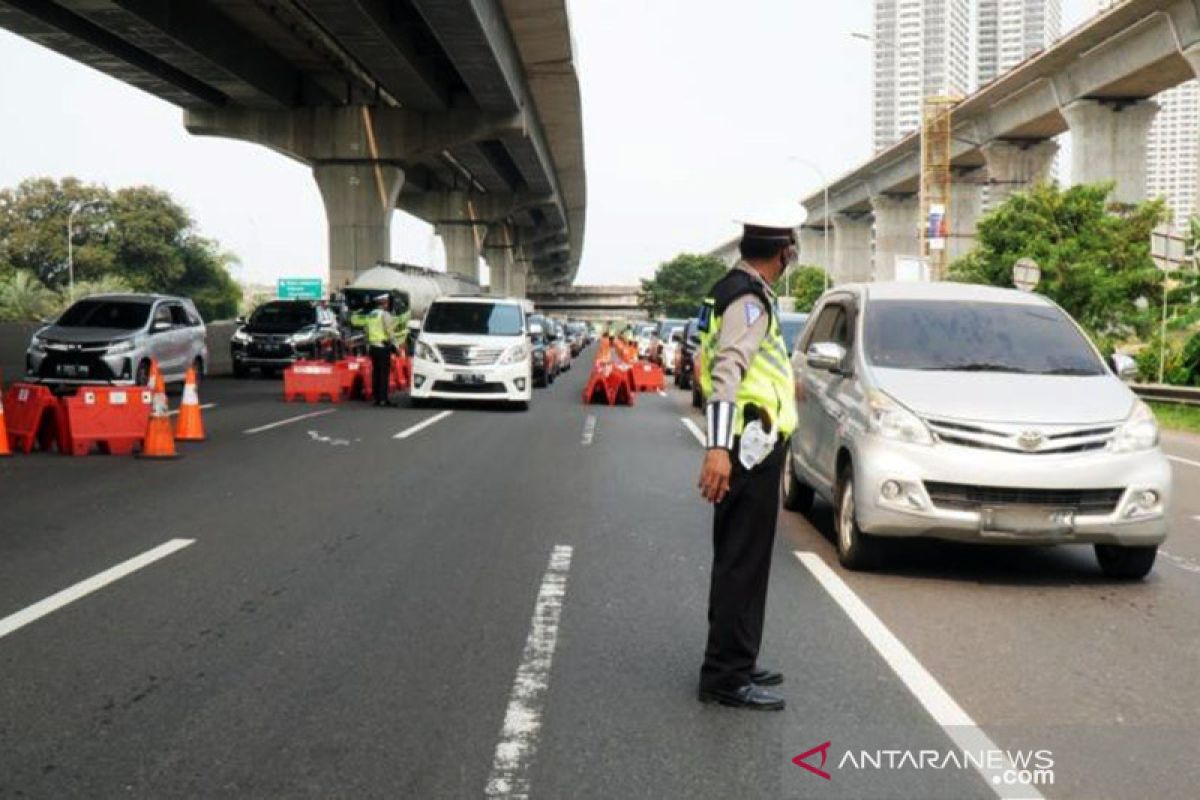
x: 1026, y: 519
x: 472, y: 378
x: 73, y: 370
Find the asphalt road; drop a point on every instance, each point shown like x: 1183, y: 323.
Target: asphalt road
x: 503, y: 600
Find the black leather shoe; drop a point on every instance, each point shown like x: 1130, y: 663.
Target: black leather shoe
x: 749, y: 696
x: 766, y: 677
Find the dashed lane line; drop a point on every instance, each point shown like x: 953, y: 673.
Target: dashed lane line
x: 947, y: 713
x: 288, y: 421
x: 82, y: 589
x: 420, y: 426
x: 589, y: 430
x: 1187, y: 461
x: 520, y: 733
x: 694, y: 428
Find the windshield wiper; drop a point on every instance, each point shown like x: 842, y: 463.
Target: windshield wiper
x: 1071, y: 371
x: 978, y: 366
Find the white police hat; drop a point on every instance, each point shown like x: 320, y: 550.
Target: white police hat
x: 781, y: 217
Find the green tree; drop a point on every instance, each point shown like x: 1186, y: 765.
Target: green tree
x: 680, y: 285
x: 807, y: 283
x: 24, y: 298
x: 137, y: 236
x: 1094, y: 255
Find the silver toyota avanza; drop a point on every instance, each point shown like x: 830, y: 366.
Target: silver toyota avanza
x: 971, y: 413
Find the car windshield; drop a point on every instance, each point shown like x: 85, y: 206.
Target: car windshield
x: 121, y: 314
x: 475, y: 319
x: 283, y: 315
x: 976, y: 337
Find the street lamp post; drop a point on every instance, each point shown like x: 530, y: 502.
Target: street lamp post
x: 824, y: 222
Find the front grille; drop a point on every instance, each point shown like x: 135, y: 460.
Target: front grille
x: 1053, y: 440
x: 469, y: 356
x: 469, y: 388
x: 964, y: 497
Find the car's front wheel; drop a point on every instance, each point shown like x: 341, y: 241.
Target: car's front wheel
x: 1127, y: 563
x: 797, y: 495
x: 856, y: 550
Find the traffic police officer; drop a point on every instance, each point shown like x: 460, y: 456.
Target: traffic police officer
x: 751, y: 411
x: 381, y: 343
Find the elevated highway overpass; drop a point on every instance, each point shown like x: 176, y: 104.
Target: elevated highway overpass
x: 1096, y: 82
x: 465, y: 113
x: 593, y: 303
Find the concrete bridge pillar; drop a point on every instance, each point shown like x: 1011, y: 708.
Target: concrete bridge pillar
x: 966, y: 204
x: 499, y: 251
x: 1108, y: 143
x: 1014, y: 166
x: 359, y: 199
x: 813, y: 247
x: 851, y: 247
x: 518, y: 279
x: 896, y: 232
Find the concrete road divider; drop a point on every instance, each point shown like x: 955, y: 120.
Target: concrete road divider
x: 648, y: 377
x: 312, y: 382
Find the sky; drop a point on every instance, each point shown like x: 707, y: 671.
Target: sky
x: 694, y: 111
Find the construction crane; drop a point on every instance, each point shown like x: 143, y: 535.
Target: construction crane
x: 936, y: 139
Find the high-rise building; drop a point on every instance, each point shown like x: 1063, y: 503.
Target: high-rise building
x: 921, y: 48
x: 1010, y: 31
x: 1171, y: 145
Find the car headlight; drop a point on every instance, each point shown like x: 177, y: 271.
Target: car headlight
x: 241, y: 337
x: 515, y: 354
x: 117, y: 348
x: 38, y: 345
x: 889, y: 419
x: 426, y: 352
x: 1139, y: 432
x: 539, y: 356
x: 304, y: 335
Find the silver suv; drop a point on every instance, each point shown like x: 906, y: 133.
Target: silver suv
x: 111, y: 338
x: 971, y: 413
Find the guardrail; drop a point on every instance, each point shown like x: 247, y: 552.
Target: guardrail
x: 1161, y: 393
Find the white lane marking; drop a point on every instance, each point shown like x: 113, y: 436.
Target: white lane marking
x: 523, y: 719
x: 203, y: 407
x: 662, y: 392
x: 947, y: 713
x: 1187, y: 461
x: 589, y: 429
x: 420, y: 426
x: 1185, y: 564
x: 85, y: 587
x: 694, y: 428
x: 289, y: 421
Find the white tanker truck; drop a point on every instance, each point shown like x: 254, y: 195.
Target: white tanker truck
x: 410, y: 288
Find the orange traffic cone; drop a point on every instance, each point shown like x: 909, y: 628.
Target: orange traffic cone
x: 5, y: 448
x: 190, y: 428
x: 159, y: 441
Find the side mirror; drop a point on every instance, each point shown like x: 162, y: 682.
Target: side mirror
x: 1123, y: 366
x: 240, y: 320
x: 827, y: 356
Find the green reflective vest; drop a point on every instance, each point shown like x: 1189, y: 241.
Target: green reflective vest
x: 377, y: 335
x: 768, y: 383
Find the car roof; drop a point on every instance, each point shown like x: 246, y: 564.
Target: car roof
x: 947, y: 291
x: 476, y: 298
x: 131, y: 297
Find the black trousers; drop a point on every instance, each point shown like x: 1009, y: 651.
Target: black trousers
x: 743, y: 538
x: 381, y: 370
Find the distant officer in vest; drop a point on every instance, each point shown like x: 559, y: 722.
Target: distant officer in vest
x: 381, y: 343
x: 751, y: 411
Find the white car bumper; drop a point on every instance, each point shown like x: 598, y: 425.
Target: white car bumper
x: 949, y: 492
x: 508, y: 382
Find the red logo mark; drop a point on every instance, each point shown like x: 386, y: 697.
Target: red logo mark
x: 823, y: 749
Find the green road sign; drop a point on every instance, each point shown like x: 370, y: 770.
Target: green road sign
x: 299, y: 289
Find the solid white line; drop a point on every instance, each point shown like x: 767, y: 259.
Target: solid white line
x: 1185, y: 564
x: 694, y: 428
x: 956, y: 723
x: 1187, y: 461
x: 203, y: 407
x: 289, y: 421
x: 83, y: 588
x: 662, y: 393
x: 420, y: 426
x: 589, y: 429
x: 519, y: 735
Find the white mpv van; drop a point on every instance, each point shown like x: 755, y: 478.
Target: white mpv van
x: 473, y: 347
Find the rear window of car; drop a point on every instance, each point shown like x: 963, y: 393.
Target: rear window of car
x: 475, y: 319
x: 125, y: 315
